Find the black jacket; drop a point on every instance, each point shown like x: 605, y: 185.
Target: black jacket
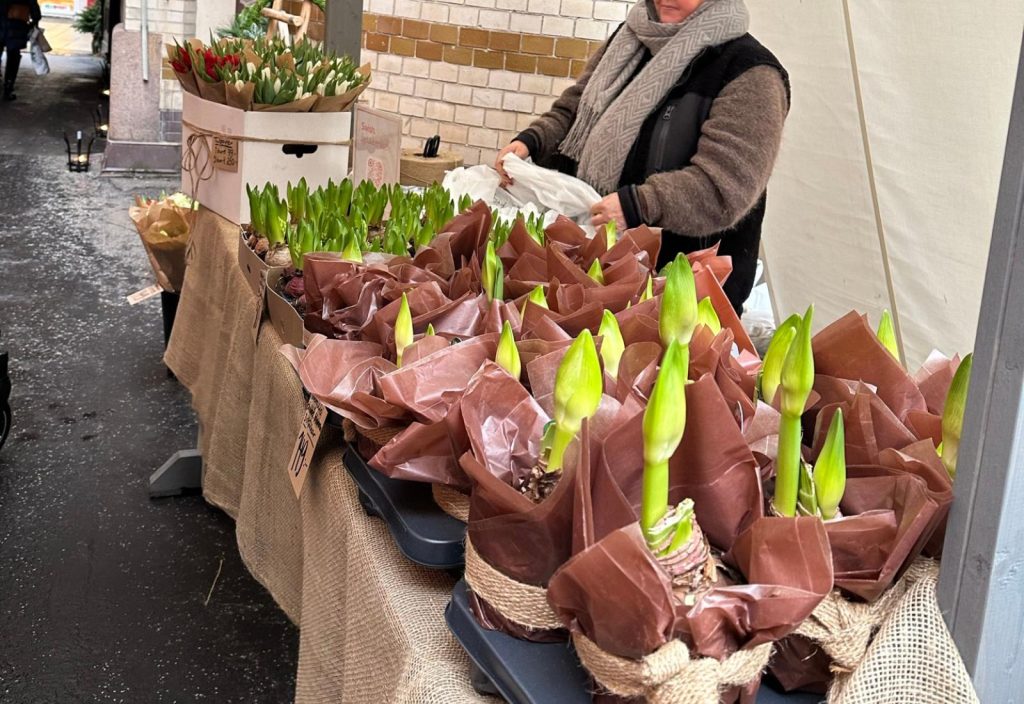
x: 13, y: 30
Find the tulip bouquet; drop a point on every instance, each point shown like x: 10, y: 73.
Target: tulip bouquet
x: 264, y: 74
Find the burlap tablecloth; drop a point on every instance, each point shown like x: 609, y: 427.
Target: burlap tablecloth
x: 372, y: 623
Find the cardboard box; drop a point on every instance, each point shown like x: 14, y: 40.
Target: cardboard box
x: 251, y: 265
x: 235, y: 147
x: 283, y: 316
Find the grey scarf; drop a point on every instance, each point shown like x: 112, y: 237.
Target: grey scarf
x: 613, y: 107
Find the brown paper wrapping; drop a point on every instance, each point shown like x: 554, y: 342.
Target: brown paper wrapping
x: 301, y: 105
x: 240, y: 98
x: 340, y: 103
x: 164, y: 230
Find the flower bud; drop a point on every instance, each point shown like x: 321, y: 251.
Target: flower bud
x: 612, y: 344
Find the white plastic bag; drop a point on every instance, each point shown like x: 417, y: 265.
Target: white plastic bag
x: 38, y: 41
x: 37, y: 35
x: 552, y: 190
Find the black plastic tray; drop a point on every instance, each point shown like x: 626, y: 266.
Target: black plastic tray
x: 540, y: 673
x: 423, y: 532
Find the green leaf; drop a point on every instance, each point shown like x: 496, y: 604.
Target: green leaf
x: 611, y: 233
x: 507, y: 355
x: 887, y: 335
x: 595, y: 272
x: 953, y: 414
x: 707, y: 315
x: 403, y: 329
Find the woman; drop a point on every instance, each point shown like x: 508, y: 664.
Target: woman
x: 677, y: 118
x: 15, y: 18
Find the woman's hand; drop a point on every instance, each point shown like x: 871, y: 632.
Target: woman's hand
x: 606, y: 210
x: 517, y: 148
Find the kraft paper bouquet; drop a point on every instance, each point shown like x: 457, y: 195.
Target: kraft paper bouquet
x: 164, y: 226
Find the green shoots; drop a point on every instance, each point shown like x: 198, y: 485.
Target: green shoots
x: 953, y: 414
x: 612, y: 344
x: 595, y: 272
x: 578, y: 387
x: 663, y: 426
x: 507, y: 355
x: 887, y: 334
x: 797, y: 380
x: 775, y: 357
x: 492, y: 277
x: 403, y: 329
x: 707, y: 315
x: 648, y: 293
x: 430, y: 330
x: 537, y: 297
x: 678, y: 317
x: 830, y: 469
x: 611, y: 233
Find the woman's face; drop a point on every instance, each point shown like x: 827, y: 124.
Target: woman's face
x: 675, y: 11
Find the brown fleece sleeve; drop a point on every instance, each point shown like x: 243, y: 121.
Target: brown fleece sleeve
x: 735, y: 155
x: 548, y: 130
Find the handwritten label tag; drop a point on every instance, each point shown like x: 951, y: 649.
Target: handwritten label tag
x: 305, y: 445
x: 144, y: 295
x: 225, y: 154
x: 261, y: 301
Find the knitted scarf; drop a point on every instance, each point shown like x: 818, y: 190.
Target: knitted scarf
x: 615, y: 104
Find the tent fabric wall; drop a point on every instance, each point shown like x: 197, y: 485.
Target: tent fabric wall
x: 885, y: 190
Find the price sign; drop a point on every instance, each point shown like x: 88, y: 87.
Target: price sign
x: 225, y: 154
x: 305, y: 444
x: 144, y: 295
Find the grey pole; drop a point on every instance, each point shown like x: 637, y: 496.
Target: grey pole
x: 343, y: 31
x: 981, y: 586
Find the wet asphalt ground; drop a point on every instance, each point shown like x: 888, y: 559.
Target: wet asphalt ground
x: 103, y: 591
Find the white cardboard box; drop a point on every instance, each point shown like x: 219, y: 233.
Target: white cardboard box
x: 237, y: 147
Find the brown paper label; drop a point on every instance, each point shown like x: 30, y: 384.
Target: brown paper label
x: 305, y: 444
x: 144, y: 295
x: 261, y: 301
x: 225, y: 154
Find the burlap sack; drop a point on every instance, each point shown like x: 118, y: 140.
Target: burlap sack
x: 912, y: 659
x: 372, y: 626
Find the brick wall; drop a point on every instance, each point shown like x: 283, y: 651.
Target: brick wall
x: 169, y: 20
x: 476, y: 72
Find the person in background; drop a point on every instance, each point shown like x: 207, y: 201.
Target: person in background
x: 677, y: 121
x: 16, y: 17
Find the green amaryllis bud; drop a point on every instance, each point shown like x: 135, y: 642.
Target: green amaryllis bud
x: 707, y: 315
x: 775, y: 357
x: 430, y: 330
x: 830, y: 469
x: 612, y: 344
x: 678, y: 316
x: 663, y: 426
x: 493, y: 274
x: 595, y: 272
x: 953, y: 414
x: 611, y: 233
x: 403, y: 329
x: 807, y: 500
x: 578, y: 387
x: 507, y: 356
x: 539, y: 297
x: 648, y: 290
x: 797, y: 380
x: 352, y: 252
x: 798, y: 369
x: 887, y: 334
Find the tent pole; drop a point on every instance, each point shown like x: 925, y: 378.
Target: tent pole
x: 980, y: 585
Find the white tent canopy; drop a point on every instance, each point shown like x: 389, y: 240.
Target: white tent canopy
x: 885, y: 191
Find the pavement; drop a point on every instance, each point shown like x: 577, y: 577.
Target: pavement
x: 105, y: 595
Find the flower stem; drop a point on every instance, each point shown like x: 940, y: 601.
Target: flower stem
x: 787, y: 465
x: 559, y: 445
x: 654, y: 499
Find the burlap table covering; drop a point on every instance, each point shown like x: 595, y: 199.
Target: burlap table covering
x: 211, y: 353
x: 372, y: 626
x: 269, y: 523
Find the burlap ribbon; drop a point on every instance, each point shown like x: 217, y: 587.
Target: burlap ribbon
x: 669, y: 675
x: 451, y: 501
x: 844, y: 628
x: 525, y: 604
